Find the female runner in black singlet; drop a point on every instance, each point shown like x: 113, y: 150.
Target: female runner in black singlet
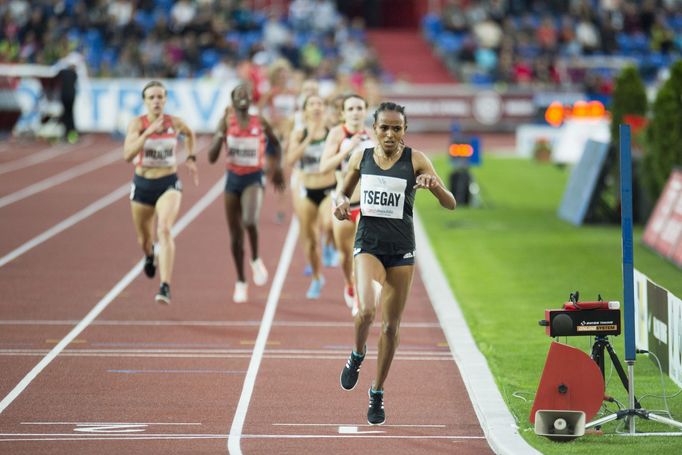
x: 384, y: 251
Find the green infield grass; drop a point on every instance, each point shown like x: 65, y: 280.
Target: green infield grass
x: 511, y: 258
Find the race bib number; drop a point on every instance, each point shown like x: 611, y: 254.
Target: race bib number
x: 284, y: 105
x: 159, y: 152
x: 243, y: 151
x: 382, y: 196
x: 310, y: 161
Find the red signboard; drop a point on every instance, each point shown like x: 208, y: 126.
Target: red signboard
x: 663, y: 231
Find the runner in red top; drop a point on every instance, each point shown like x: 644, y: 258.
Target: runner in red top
x: 151, y: 142
x: 244, y: 137
x: 341, y: 142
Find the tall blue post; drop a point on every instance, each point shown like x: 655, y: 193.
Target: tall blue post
x: 626, y: 234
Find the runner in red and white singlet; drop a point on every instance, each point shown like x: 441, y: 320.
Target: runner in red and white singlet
x: 342, y: 142
x: 151, y: 144
x: 244, y: 135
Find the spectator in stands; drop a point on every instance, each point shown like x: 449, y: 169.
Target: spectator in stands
x: 181, y: 14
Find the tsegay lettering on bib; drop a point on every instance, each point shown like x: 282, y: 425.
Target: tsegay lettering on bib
x: 310, y: 161
x: 243, y: 151
x: 382, y: 196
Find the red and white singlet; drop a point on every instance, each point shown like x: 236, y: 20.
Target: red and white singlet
x: 158, y: 149
x: 245, y: 147
x: 366, y: 142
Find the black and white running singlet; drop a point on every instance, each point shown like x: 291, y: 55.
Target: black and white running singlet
x: 386, y: 202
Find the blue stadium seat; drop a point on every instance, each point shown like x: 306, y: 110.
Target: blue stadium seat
x: 209, y: 58
x: 449, y: 43
x: 481, y: 79
x: 432, y: 26
x: 145, y: 20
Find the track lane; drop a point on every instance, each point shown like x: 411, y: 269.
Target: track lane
x: 201, y: 292
x: 307, y: 406
x: 139, y: 359
x: 66, y: 199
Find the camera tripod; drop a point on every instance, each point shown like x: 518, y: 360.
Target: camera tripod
x: 602, y: 343
x: 633, y: 410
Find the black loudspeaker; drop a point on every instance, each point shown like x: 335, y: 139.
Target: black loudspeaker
x: 560, y: 425
x: 460, y: 180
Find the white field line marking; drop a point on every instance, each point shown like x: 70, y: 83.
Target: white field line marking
x: 499, y: 427
x: 106, y: 159
x: 355, y: 425
x: 110, y: 423
x: 371, y: 354
x: 233, y: 441
x: 334, y: 436
x: 200, y: 206
x: 355, y: 430
x: 43, y: 155
x: 219, y: 356
x: 67, y: 223
x: 117, y: 438
x: 33, y: 322
x: 7, y: 437
x: 114, y: 435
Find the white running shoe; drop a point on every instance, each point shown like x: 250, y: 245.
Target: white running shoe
x: 260, y: 273
x: 240, y: 292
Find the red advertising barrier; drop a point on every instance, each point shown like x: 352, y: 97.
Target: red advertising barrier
x: 663, y: 232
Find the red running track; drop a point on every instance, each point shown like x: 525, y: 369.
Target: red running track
x: 91, y: 364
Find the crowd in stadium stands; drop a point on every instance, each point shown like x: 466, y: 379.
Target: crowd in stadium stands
x: 539, y: 42
x: 553, y: 42
x: 184, y: 38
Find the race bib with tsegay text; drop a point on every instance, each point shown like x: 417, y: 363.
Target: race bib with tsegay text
x: 382, y: 196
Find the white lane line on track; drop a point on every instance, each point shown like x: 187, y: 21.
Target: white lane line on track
x: 34, y: 322
x: 191, y: 214
x: 498, y: 424
x: 67, y: 223
x: 233, y: 441
x: 104, y: 160
x: 225, y: 356
x: 111, y: 423
x: 43, y: 155
x: 356, y: 425
x: 230, y: 351
x: 8, y: 437
x: 176, y: 371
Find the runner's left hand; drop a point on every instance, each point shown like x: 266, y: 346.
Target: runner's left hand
x: 192, y: 166
x: 427, y: 181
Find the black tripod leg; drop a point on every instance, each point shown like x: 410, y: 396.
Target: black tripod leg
x: 598, y: 355
x: 621, y: 372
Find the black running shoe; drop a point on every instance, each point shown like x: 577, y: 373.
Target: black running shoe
x: 375, y: 413
x: 149, y: 266
x: 163, y: 296
x: 350, y: 373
